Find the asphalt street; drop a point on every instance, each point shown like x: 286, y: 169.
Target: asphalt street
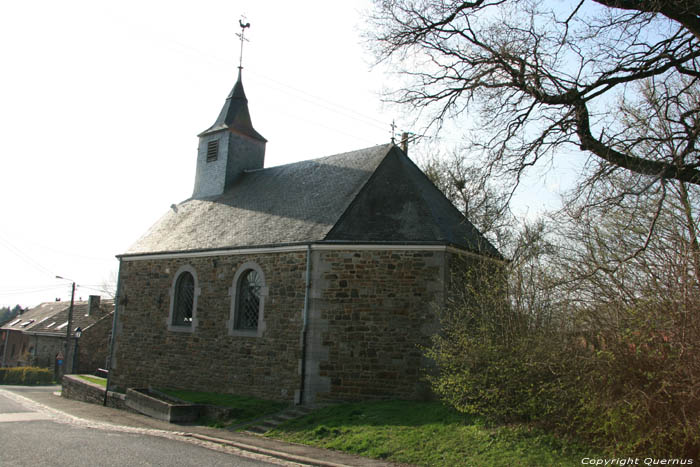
x: 33, y: 436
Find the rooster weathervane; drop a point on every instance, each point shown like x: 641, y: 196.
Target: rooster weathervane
x: 244, y: 26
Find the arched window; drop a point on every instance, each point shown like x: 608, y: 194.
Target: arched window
x: 183, y: 300
x: 248, y: 301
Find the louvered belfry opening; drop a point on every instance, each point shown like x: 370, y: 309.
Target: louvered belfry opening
x: 212, y: 150
x: 248, y: 304
x: 184, y: 300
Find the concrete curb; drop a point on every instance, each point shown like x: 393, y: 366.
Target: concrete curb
x: 267, y: 452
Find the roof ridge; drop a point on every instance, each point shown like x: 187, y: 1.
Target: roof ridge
x: 376, y: 146
x: 290, y: 203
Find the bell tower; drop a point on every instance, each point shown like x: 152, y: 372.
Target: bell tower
x: 231, y: 145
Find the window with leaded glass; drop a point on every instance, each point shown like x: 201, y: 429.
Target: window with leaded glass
x: 248, y: 292
x: 184, y: 300
x: 248, y: 301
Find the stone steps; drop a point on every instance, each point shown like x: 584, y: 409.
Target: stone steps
x: 273, y: 421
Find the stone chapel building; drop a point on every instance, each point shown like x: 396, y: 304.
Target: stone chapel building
x: 315, y: 280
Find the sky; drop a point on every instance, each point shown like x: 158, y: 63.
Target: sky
x: 101, y: 102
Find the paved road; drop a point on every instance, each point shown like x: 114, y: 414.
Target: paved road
x: 32, y: 435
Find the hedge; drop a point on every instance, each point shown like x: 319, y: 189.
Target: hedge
x: 26, y: 375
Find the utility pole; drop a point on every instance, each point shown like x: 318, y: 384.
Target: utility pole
x: 70, y: 324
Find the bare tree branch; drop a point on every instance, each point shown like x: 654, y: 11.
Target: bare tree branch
x: 541, y: 76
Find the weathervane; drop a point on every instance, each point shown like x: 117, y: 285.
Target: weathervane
x: 393, y: 131
x: 242, y: 37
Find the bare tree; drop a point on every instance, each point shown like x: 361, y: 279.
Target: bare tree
x: 109, y: 284
x: 628, y: 213
x: 544, y: 76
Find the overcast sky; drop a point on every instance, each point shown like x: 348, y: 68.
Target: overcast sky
x: 101, y: 102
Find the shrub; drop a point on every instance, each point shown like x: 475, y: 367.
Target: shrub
x: 623, y: 375
x: 632, y: 389
x: 517, y: 381
x: 25, y: 375
x: 644, y: 385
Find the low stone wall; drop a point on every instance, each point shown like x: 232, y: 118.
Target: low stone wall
x: 160, y: 406
x: 79, y: 389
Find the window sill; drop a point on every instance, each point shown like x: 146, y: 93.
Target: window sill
x: 174, y: 328
x: 245, y: 333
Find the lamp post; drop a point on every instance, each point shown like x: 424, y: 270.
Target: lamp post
x: 78, y: 333
x: 70, y: 319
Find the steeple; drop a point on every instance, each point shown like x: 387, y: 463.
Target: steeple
x: 230, y: 146
x: 234, y: 115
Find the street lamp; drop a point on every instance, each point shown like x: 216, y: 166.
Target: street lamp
x: 70, y: 317
x: 77, y: 334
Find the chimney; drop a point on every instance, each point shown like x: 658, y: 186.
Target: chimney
x: 404, y: 142
x: 93, y: 304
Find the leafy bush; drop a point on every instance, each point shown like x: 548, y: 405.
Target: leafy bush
x: 25, y: 375
x: 518, y: 381
x: 643, y: 387
x: 630, y: 385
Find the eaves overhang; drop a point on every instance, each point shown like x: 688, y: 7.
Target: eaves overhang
x: 299, y: 246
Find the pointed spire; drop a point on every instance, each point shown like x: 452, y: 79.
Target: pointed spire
x: 234, y: 115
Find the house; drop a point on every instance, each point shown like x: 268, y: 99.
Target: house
x: 310, y: 281
x: 38, y: 336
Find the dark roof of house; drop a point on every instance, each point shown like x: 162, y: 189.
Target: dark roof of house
x: 373, y: 195
x: 51, y: 318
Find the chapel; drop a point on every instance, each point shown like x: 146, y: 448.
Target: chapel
x: 310, y: 281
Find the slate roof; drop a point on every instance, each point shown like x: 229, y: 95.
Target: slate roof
x: 235, y: 115
x: 286, y: 204
x: 373, y: 195
x: 400, y: 204
x: 46, y: 318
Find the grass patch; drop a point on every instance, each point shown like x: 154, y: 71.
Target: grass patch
x: 94, y: 379
x: 243, y: 409
x: 426, y: 433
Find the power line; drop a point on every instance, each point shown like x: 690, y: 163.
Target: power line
x: 225, y: 62
x: 27, y: 259
x: 30, y: 287
x: 94, y: 289
x: 327, y: 104
x: 65, y: 253
x: 30, y: 291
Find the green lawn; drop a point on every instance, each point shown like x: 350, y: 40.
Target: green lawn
x: 94, y: 379
x: 246, y: 409
x: 426, y: 433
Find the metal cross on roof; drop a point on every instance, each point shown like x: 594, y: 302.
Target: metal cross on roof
x: 241, y: 35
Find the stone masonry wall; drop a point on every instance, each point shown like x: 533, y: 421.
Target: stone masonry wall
x: 209, y: 359
x: 47, y: 347
x: 76, y: 388
x: 371, y: 312
x: 93, y: 346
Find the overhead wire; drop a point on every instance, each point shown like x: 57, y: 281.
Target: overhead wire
x: 220, y: 62
x: 31, y: 290
x: 27, y: 259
